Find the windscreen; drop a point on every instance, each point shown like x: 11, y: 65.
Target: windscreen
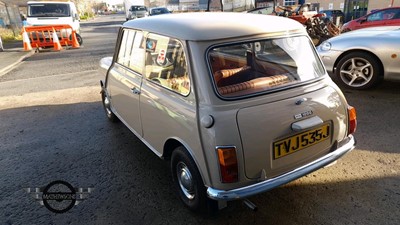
x: 138, y: 8
x: 260, y: 66
x: 49, y: 10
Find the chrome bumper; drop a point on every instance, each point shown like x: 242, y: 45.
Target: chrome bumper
x: 269, y: 184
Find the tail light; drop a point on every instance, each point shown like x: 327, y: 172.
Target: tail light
x: 228, y: 164
x: 352, y: 119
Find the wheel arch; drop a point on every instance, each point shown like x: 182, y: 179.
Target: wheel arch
x: 359, y: 51
x: 171, y: 144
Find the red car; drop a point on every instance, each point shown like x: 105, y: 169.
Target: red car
x: 382, y: 17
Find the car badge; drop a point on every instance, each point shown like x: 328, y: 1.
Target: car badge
x: 303, y: 114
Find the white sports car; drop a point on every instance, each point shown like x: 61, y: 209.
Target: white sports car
x: 362, y: 58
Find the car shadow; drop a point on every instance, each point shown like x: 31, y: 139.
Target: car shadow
x: 76, y: 143
x: 377, y: 115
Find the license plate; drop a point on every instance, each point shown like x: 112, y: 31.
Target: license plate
x: 301, y: 141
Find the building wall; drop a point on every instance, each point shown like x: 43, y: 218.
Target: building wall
x: 379, y: 4
x: 331, y: 4
x: 10, y: 16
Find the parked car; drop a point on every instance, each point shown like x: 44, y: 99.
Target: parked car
x: 382, y: 17
x: 334, y: 15
x: 137, y: 11
x: 158, y: 11
x: 238, y: 107
x: 361, y: 59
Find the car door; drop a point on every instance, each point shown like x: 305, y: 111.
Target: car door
x: 125, y: 80
x: 372, y: 20
x: 167, y: 104
x: 379, y: 18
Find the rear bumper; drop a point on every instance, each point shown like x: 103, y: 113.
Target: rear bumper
x: 269, y: 184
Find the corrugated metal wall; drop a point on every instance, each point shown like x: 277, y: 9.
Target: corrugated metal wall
x: 10, y: 16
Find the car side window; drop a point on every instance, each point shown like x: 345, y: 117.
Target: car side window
x: 396, y: 14
x: 375, y: 17
x: 165, y: 63
x: 384, y: 15
x: 131, y: 51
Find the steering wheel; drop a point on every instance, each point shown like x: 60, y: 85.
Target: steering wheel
x: 167, y: 62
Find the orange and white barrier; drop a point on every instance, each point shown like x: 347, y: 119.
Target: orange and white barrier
x: 54, y: 36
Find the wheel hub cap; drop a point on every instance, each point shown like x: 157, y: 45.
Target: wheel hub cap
x: 107, y: 105
x: 185, y: 180
x: 356, y: 72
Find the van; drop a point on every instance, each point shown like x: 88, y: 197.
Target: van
x: 44, y: 13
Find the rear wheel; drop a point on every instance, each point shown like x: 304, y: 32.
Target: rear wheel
x: 359, y: 70
x: 189, y: 184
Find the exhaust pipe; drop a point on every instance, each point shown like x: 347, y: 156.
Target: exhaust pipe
x: 250, y: 204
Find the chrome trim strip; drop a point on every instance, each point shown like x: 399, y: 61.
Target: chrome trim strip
x: 269, y: 184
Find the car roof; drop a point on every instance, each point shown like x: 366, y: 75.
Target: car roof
x: 392, y: 32
x: 213, y: 25
x: 383, y: 9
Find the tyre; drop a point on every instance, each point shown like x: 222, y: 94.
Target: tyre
x: 107, y: 108
x: 79, y: 39
x: 188, y: 183
x: 359, y: 70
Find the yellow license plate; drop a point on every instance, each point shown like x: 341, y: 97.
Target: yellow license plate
x: 301, y: 141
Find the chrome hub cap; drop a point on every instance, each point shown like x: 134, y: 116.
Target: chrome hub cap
x: 107, y: 105
x: 356, y: 72
x: 185, y: 180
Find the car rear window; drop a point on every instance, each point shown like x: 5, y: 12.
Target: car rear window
x: 261, y: 66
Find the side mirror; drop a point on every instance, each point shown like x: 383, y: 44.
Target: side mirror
x: 362, y: 20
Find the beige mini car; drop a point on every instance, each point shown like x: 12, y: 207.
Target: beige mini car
x: 239, y: 103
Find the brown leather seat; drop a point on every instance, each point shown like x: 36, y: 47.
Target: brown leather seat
x: 262, y: 82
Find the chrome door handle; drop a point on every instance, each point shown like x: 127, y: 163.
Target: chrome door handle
x: 135, y: 91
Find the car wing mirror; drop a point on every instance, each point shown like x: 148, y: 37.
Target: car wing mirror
x: 106, y: 62
x: 362, y: 20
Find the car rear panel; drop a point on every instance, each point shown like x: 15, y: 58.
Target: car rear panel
x: 275, y: 144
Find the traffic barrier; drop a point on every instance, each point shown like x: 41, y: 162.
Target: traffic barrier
x: 26, y: 41
x: 56, y: 42
x: 45, y: 36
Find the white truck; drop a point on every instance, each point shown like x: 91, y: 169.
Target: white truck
x: 135, y: 9
x: 44, y: 13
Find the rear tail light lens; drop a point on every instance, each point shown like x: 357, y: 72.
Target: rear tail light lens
x: 352, y: 119
x: 228, y: 164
